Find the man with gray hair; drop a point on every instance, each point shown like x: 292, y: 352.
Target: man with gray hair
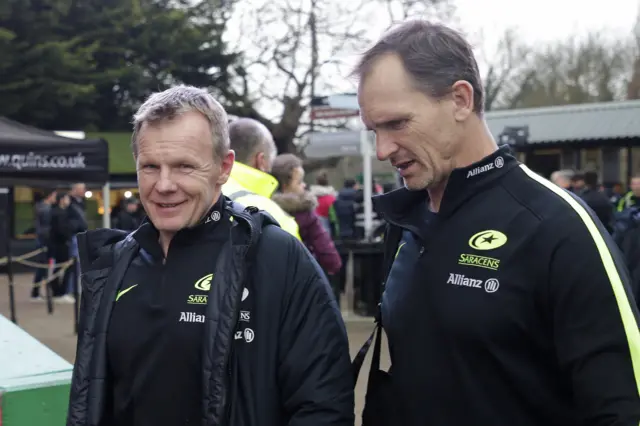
x: 505, y: 301
x: 208, y: 313
x: 250, y: 183
x: 562, y: 178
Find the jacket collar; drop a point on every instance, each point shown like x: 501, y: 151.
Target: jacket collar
x: 463, y: 183
x: 254, y: 180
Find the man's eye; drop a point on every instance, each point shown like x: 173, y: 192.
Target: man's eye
x: 186, y: 167
x: 396, y: 124
x: 149, y: 167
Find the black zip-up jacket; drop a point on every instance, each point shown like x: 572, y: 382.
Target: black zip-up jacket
x: 511, y: 306
x: 298, y: 370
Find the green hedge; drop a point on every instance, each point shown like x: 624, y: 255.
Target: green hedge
x: 120, y: 157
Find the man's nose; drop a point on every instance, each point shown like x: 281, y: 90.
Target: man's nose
x: 165, y: 182
x: 385, y: 147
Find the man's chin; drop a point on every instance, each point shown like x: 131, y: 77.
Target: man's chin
x: 172, y: 225
x: 415, y: 184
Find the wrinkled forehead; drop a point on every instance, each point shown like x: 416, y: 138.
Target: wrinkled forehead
x: 385, y: 91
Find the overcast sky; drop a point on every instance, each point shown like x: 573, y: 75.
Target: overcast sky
x: 485, y: 21
x: 547, y: 19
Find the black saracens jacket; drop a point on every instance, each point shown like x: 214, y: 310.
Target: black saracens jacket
x: 297, y: 372
x: 510, y: 306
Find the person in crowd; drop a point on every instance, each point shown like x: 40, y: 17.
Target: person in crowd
x: 630, y: 198
x: 626, y: 234
x: 127, y: 217
x: 616, y: 193
x: 301, y: 204
x: 343, y: 211
x: 505, y: 301
x: 43, y: 232
x: 209, y: 313
x: 78, y: 223
x: 77, y: 214
x: 326, y: 195
x: 577, y: 183
x: 250, y: 183
x: 597, y: 200
x: 562, y: 178
x: 60, y: 234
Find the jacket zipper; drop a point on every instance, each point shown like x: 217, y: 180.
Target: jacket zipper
x: 229, y: 355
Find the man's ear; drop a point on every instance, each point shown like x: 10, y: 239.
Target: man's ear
x: 261, y: 162
x: 226, y: 165
x: 462, y: 93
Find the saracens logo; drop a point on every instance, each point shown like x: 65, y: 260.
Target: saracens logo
x: 204, y: 283
x: 487, y: 240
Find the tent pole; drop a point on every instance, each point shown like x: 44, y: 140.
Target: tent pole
x: 367, y: 178
x: 106, y: 217
x: 6, y: 230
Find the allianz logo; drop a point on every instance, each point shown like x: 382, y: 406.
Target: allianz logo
x: 191, y: 317
x: 490, y: 286
x: 497, y: 163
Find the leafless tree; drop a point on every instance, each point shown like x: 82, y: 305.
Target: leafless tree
x: 292, y: 45
x: 579, y: 70
x: 300, y: 49
x: 508, y: 70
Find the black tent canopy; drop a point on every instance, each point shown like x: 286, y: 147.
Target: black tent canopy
x: 31, y: 155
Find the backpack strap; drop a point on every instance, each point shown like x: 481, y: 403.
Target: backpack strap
x: 393, y: 236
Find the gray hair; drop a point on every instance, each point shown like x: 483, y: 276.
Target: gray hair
x: 434, y: 55
x: 167, y: 105
x: 566, y: 174
x: 249, y: 137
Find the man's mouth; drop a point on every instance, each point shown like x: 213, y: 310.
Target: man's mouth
x: 169, y: 205
x: 405, y: 165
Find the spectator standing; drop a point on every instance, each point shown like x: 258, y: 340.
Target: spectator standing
x: 597, y: 200
x: 43, y: 232
x: 326, y: 195
x: 577, y: 183
x: 61, y: 232
x: 127, y: 219
x: 632, y: 197
x: 301, y: 204
x: 562, y: 178
x: 78, y: 220
x: 250, y: 183
x: 343, y: 211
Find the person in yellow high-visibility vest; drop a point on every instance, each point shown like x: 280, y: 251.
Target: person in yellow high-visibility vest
x: 250, y: 183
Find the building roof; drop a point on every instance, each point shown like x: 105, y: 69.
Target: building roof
x: 596, y: 121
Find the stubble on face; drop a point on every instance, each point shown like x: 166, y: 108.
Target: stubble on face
x: 410, y: 126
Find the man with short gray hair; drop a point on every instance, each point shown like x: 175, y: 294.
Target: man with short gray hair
x: 505, y: 302
x: 208, y: 313
x: 562, y: 178
x: 250, y: 183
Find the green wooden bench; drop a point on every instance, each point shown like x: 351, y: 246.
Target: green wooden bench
x: 34, y: 380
